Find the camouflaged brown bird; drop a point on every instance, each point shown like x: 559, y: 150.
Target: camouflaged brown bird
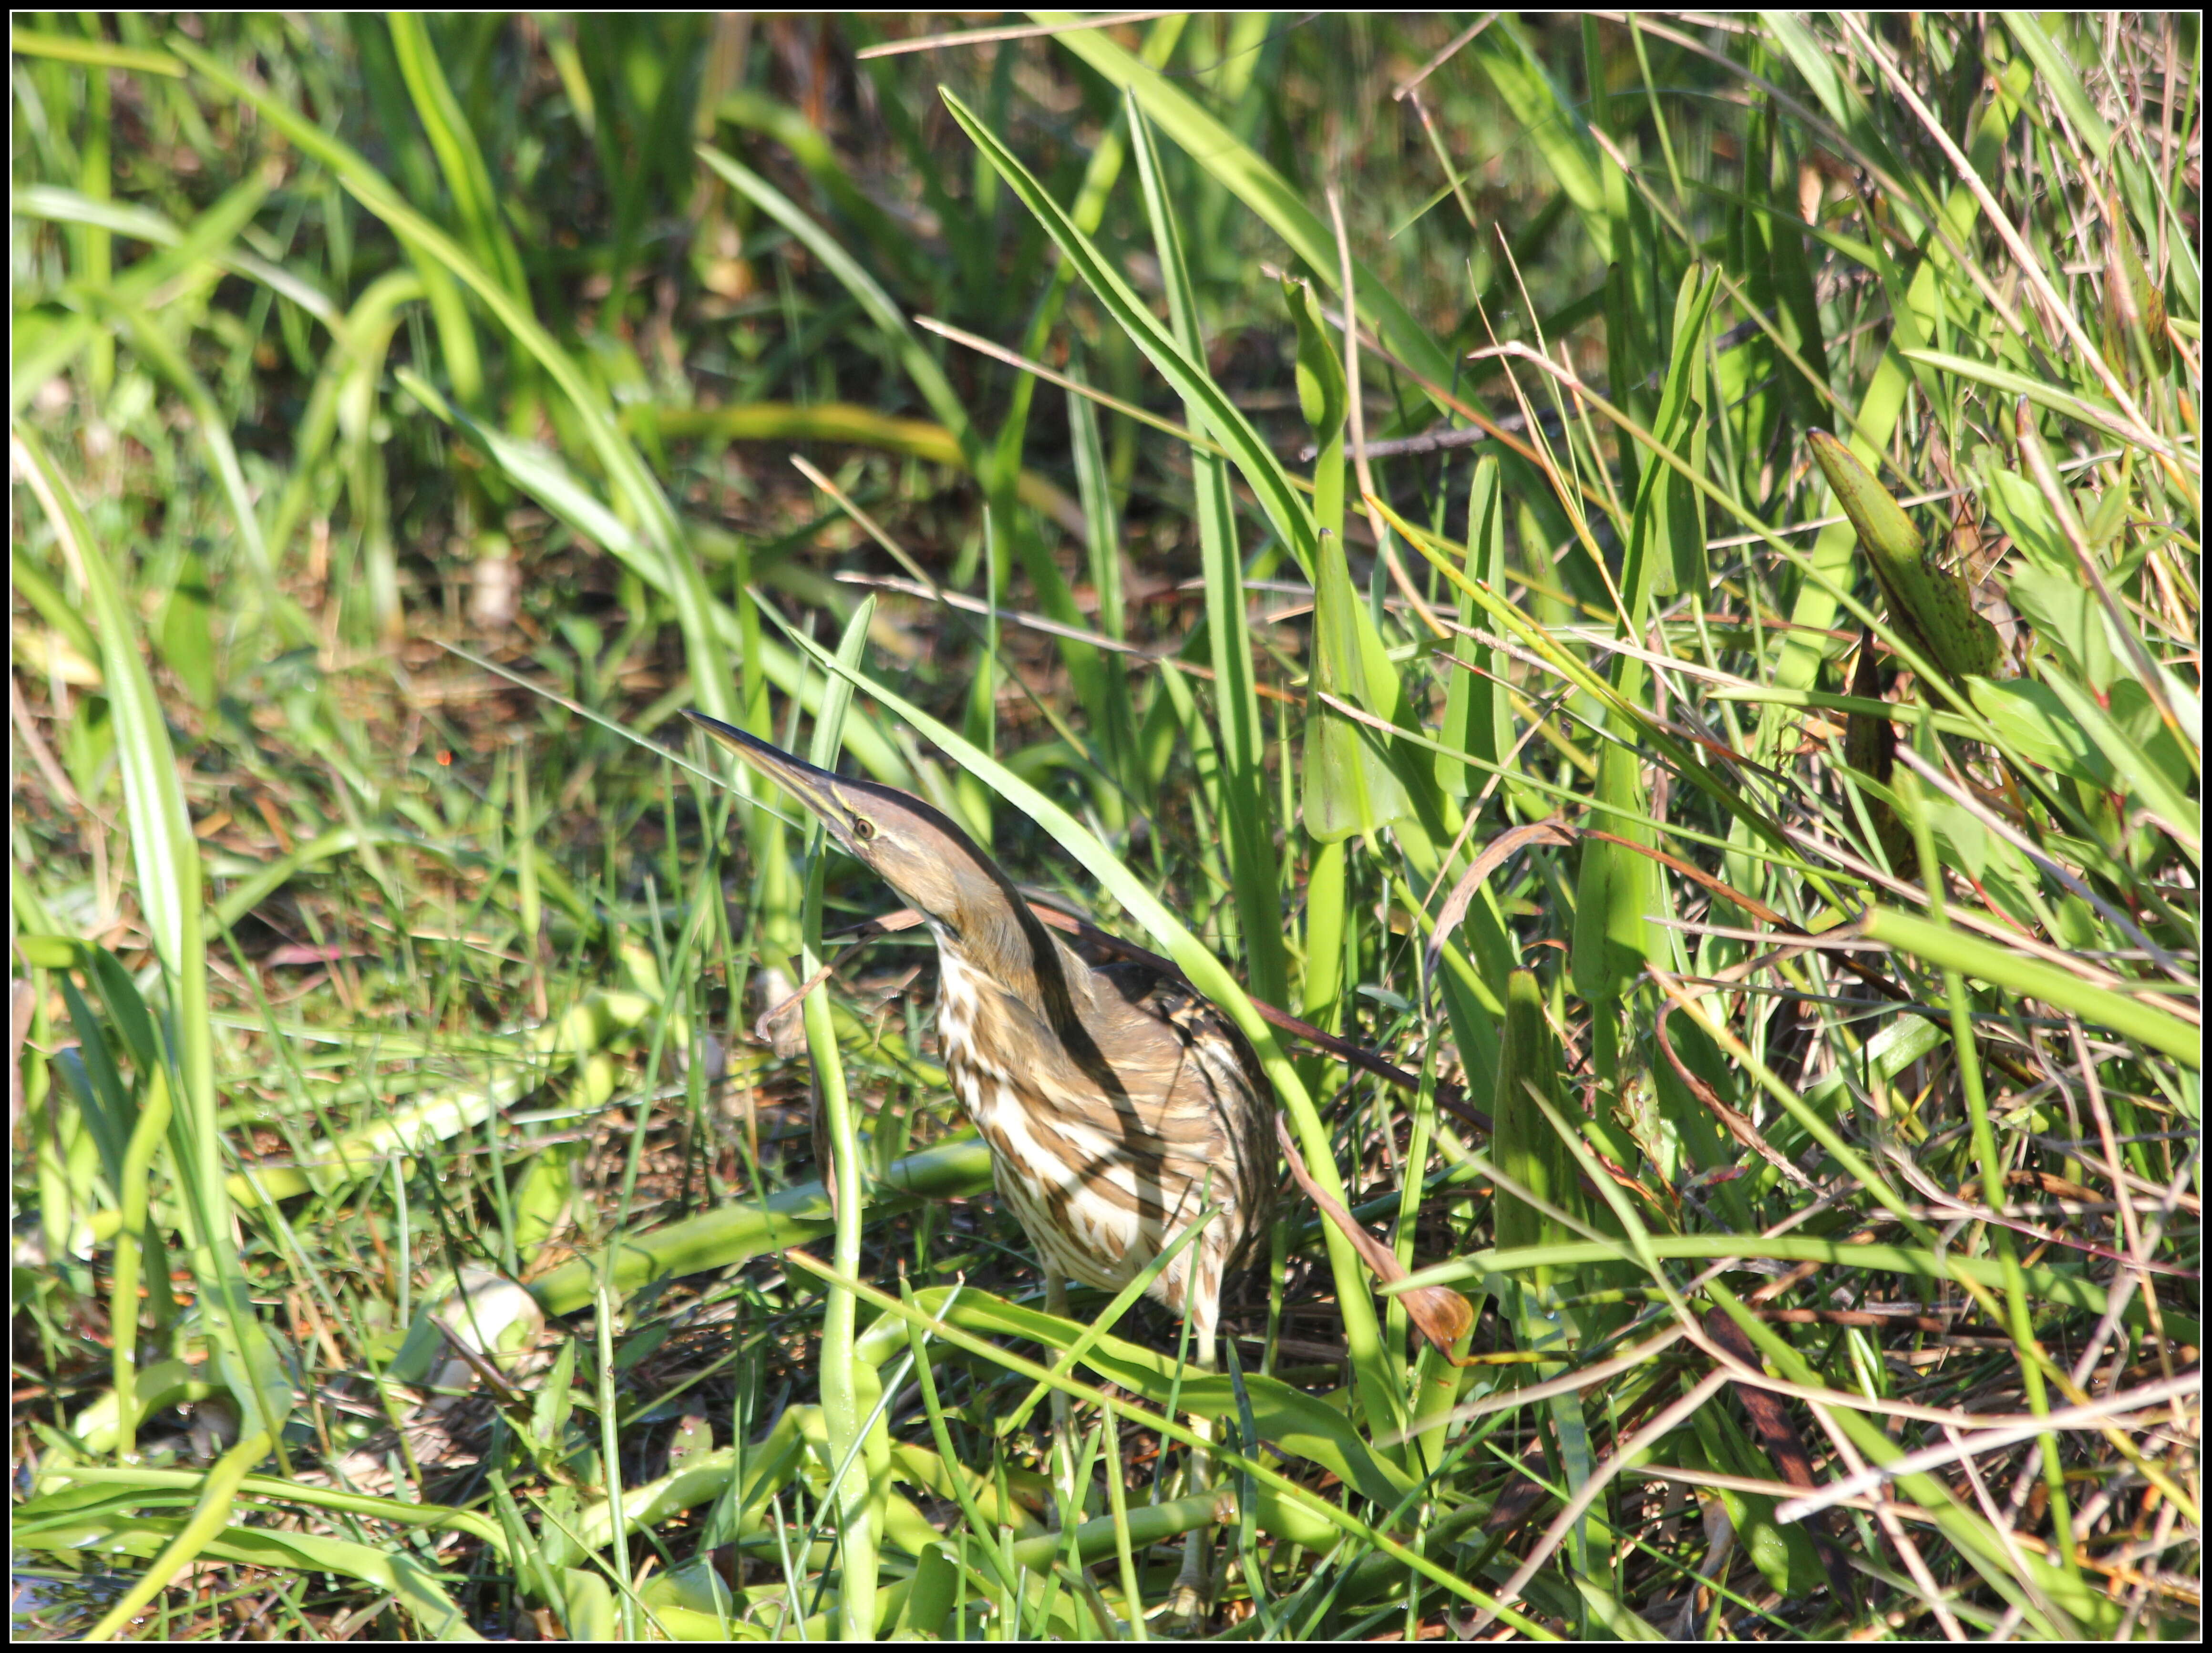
x: 1116, y: 1102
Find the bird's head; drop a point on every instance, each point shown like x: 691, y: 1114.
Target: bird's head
x: 934, y: 866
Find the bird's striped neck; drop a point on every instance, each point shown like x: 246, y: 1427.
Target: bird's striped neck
x: 1025, y: 964
x: 1004, y: 948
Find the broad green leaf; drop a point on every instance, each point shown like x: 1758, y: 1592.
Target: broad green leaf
x: 1349, y: 786
x: 1929, y: 603
x: 2035, y: 724
x: 187, y: 635
x: 1620, y: 898
x: 1668, y: 533
x: 1323, y: 399
x: 2023, y: 512
x: 1478, y: 711
x: 1523, y: 1145
x: 1618, y: 895
x: 2126, y: 754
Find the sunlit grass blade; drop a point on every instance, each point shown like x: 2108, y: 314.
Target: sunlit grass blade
x: 1229, y: 426
x: 167, y: 858
x: 1259, y: 185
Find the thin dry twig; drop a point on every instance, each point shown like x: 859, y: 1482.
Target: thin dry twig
x: 1017, y: 32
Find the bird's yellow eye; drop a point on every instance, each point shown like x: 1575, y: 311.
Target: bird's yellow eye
x: 863, y: 828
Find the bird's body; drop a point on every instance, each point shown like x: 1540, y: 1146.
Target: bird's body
x: 1117, y: 1103
x: 1114, y: 1141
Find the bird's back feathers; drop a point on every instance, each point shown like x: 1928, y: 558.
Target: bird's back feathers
x: 1111, y: 1131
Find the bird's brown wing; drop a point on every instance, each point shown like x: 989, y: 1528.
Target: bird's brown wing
x: 1192, y: 1085
x: 1144, y: 1012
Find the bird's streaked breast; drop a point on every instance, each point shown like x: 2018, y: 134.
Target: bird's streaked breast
x: 1102, y: 1177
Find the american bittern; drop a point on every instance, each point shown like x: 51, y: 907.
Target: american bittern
x: 1116, y: 1102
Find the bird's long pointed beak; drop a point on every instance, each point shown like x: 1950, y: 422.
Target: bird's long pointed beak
x: 815, y: 788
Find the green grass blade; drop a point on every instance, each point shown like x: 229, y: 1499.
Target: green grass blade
x: 1284, y: 510
x: 843, y: 1405
x: 1253, y: 874
x: 167, y: 856
x: 921, y: 367
x: 1970, y: 955
x: 694, y: 606
x: 1254, y: 182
